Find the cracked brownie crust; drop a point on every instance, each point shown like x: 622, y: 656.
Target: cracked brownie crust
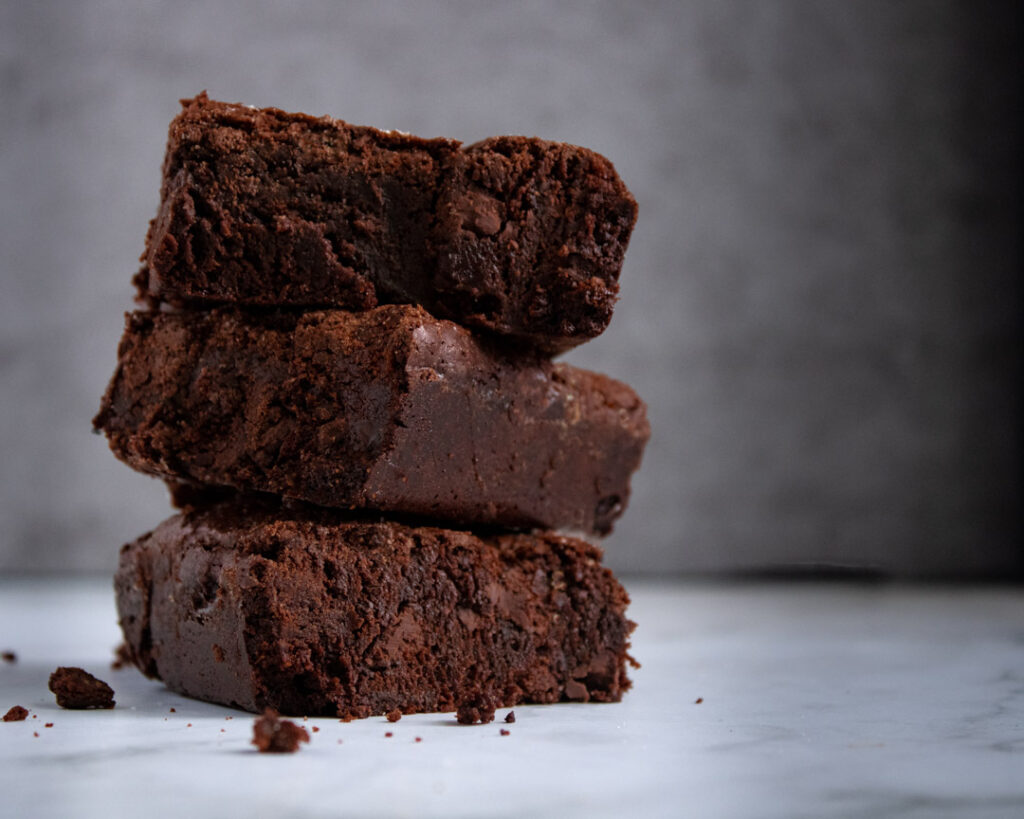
x: 514, y: 235
x: 388, y: 409
x: 306, y: 612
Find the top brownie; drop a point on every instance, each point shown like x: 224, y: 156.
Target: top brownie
x: 515, y: 235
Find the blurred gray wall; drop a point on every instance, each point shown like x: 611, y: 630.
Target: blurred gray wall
x: 820, y: 302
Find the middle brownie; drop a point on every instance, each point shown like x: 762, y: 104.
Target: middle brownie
x: 390, y: 409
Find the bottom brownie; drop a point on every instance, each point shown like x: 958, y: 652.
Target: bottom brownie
x: 307, y: 612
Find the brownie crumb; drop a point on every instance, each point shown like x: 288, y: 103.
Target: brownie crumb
x: 188, y: 724
x: 48, y: 725
x: 75, y: 688
x: 16, y: 714
x: 173, y: 711
x: 35, y: 734
x: 476, y: 709
x: 273, y: 735
x: 316, y: 729
x: 698, y: 701
x: 394, y: 716
x: 122, y: 658
x: 388, y: 734
x: 9, y: 657
x: 504, y: 732
x: 510, y: 716
x: 419, y: 739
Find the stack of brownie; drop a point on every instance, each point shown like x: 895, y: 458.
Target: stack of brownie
x: 344, y: 375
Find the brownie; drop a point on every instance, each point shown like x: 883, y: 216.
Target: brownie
x: 389, y: 409
x: 16, y: 713
x: 272, y: 735
x: 260, y: 606
x: 76, y: 688
x: 514, y: 235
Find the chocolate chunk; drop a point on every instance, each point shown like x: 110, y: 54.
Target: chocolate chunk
x: 75, y: 688
x: 510, y: 716
x: 388, y: 409
x: 321, y: 614
x: 272, y: 735
x: 513, y: 235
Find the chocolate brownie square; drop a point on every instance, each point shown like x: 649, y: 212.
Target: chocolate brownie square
x: 389, y: 409
x: 514, y: 235
x: 309, y: 611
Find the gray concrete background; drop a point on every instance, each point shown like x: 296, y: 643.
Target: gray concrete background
x: 820, y: 302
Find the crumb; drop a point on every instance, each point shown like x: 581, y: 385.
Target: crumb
x: 339, y: 742
x: 419, y: 739
x: 394, y: 716
x: 189, y: 725
x: 271, y: 734
x: 15, y: 714
x: 698, y: 701
x: 9, y: 657
x: 75, y: 688
x: 165, y: 719
x: 173, y: 711
x: 475, y: 709
x: 316, y: 729
x: 504, y: 733
x: 222, y: 730
x: 122, y: 658
x: 388, y: 734
x: 35, y: 716
x: 35, y: 733
x: 510, y: 716
x: 48, y: 725
x: 305, y: 719
x: 228, y: 717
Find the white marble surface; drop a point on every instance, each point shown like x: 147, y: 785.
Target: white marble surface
x: 819, y: 701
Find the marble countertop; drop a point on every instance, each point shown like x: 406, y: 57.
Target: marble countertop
x: 819, y: 700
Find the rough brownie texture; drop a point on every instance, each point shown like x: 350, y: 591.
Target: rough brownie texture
x: 76, y: 688
x: 310, y: 613
x: 260, y: 207
x: 272, y: 735
x: 389, y: 409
